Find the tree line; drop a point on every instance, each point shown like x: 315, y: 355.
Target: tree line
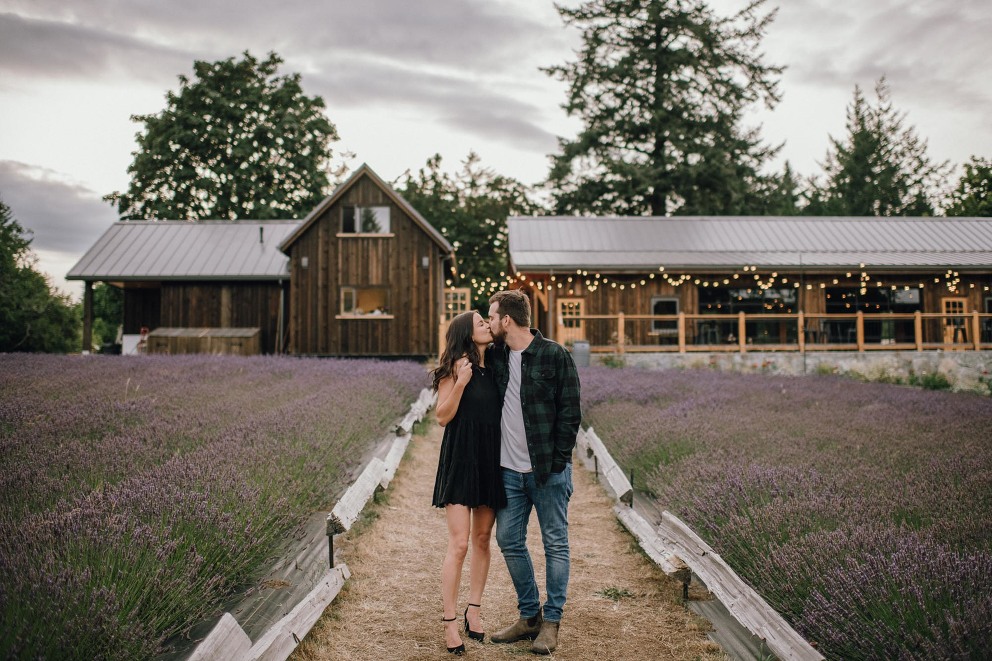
x: 660, y: 90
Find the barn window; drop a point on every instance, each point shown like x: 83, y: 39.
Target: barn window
x: 364, y: 302
x: 664, y: 306
x: 365, y: 220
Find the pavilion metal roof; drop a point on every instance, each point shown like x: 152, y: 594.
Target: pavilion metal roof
x: 561, y: 243
x: 185, y: 250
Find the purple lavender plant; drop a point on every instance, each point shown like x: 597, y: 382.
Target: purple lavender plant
x: 136, y: 495
x: 859, y: 511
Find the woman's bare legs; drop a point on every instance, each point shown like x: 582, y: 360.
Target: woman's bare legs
x: 459, y: 520
x: 483, y: 519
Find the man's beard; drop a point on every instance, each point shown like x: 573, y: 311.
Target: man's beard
x: 499, y: 335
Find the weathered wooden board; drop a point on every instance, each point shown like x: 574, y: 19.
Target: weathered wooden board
x: 741, y: 600
x: 393, y: 457
x: 352, y: 502
x: 663, y: 555
x: 225, y: 641
x: 279, y: 641
x: 612, y: 475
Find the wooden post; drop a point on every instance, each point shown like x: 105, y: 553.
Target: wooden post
x: 918, y: 329
x: 861, y: 330
x: 87, y: 316
x: 681, y: 327
x: 621, y: 330
x: 801, y: 329
x: 976, y: 330
x: 742, y: 332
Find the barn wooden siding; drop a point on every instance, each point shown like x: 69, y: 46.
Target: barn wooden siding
x: 391, y: 261
x: 206, y: 305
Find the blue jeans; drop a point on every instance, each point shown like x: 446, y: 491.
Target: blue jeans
x: 551, y: 503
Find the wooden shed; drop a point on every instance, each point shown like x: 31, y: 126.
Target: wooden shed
x: 367, y: 274
x: 193, y: 275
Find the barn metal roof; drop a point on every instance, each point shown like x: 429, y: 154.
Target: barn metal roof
x: 183, y: 250
x: 645, y: 243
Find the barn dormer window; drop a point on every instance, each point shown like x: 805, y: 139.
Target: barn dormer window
x: 365, y: 220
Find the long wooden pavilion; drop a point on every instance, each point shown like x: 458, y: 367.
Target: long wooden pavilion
x: 700, y: 283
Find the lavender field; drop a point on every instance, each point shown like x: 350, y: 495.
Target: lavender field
x: 861, y: 512
x: 137, y: 494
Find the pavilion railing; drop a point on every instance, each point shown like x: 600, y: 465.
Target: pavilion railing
x: 742, y: 332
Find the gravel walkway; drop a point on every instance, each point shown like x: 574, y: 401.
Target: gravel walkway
x: 620, y: 606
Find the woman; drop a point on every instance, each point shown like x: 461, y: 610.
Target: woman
x: 468, y: 484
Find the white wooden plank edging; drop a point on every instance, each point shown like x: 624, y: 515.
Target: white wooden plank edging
x: 417, y: 410
x: 616, y: 482
x: 284, y: 636
x: 746, y: 605
x: 655, y: 548
x: 393, y: 457
x: 227, y: 640
x: 352, y: 502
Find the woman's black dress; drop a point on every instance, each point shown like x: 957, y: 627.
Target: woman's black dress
x: 468, y: 470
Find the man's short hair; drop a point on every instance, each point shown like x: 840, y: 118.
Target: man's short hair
x: 514, y: 304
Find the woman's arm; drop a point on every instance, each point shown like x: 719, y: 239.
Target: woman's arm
x: 449, y: 392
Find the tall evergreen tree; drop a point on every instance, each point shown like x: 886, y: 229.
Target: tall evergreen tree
x: 661, y: 88
x: 238, y: 141
x: 880, y: 169
x: 973, y: 194
x: 470, y: 209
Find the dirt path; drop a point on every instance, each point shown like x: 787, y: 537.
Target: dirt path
x: 391, y: 606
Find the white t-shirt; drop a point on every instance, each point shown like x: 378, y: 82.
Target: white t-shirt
x: 513, y: 436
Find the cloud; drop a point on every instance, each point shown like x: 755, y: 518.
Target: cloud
x: 37, y: 47
x: 63, y: 216
x: 55, y: 38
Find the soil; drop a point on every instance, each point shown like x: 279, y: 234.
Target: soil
x: 620, y: 605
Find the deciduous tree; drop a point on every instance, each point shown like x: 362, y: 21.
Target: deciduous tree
x: 236, y: 141
x: 33, y: 317
x: 470, y: 209
x: 660, y: 88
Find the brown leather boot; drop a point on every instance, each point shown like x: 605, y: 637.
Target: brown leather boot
x: 546, y: 641
x: 522, y: 628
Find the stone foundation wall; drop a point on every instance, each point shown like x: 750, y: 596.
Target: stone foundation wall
x: 964, y: 370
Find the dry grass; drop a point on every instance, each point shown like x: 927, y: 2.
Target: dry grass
x: 391, y: 606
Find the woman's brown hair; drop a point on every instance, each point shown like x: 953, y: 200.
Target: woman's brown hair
x: 458, y: 342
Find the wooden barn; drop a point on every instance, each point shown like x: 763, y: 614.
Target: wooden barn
x: 367, y: 274
x: 769, y: 283
x: 362, y: 275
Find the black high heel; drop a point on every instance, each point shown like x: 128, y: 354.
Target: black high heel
x: 459, y: 650
x: 474, y: 635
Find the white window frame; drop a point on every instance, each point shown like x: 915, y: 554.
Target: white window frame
x: 382, y: 213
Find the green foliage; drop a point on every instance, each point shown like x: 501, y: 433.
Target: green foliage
x: 615, y: 593
x: 108, y: 313
x: 661, y: 88
x: 613, y: 360
x: 470, y: 209
x: 973, y: 195
x: 880, y: 169
x: 929, y: 381
x: 235, y: 142
x: 33, y: 317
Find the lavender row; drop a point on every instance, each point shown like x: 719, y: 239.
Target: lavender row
x: 859, y: 511
x: 184, y: 497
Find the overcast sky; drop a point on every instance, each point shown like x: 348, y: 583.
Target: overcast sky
x: 404, y: 80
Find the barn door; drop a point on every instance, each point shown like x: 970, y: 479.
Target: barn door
x: 570, y: 325
x: 955, y: 328
x: 456, y: 301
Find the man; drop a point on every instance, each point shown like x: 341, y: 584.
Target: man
x: 540, y: 389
